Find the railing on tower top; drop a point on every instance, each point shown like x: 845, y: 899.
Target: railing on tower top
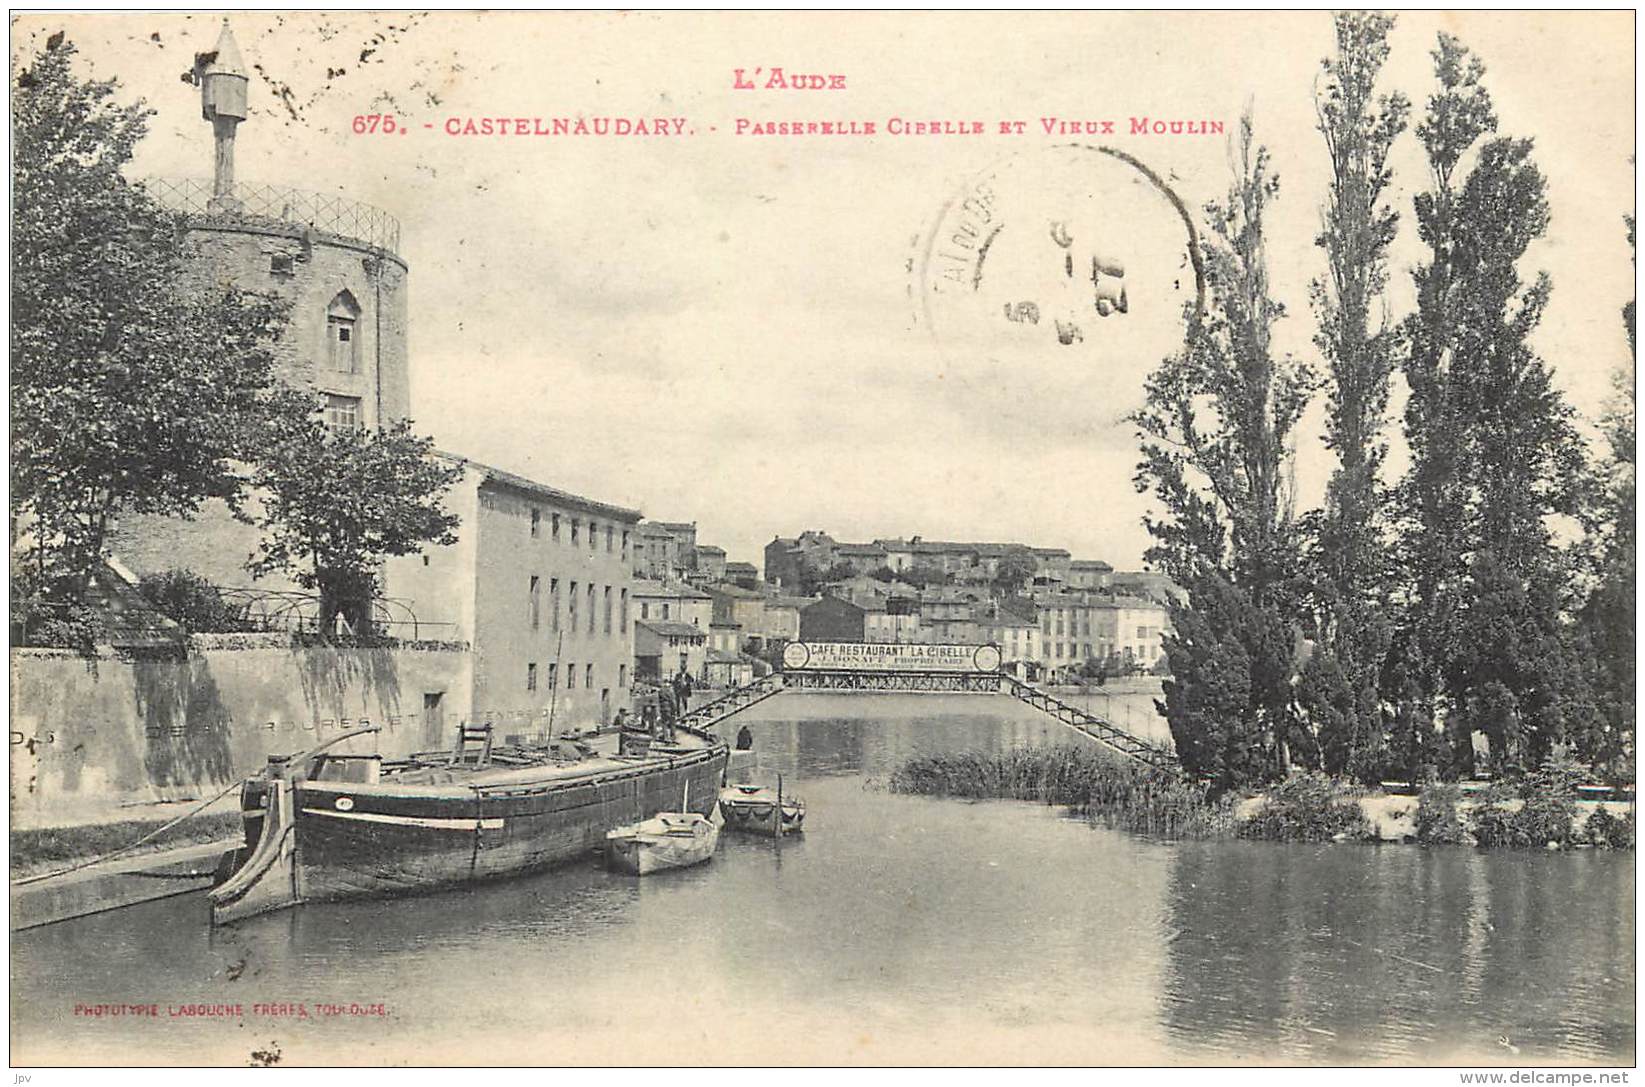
x: 322, y: 211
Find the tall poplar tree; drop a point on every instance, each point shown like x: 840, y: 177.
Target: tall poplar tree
x: 1608, y: 616
x: 1215, y: 431
x: 1494, y: 453
x: 1341, y: 683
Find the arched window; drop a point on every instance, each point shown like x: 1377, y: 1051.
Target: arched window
x: 341, y: 317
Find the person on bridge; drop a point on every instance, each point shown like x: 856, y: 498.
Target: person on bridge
x: 745, y: 739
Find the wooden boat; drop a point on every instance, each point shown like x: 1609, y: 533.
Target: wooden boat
x: 322, y: 827
x: 754, y: 808
x: 668, y: 840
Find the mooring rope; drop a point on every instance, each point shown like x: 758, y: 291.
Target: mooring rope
x: 196, y: 810
x: 191, y: 813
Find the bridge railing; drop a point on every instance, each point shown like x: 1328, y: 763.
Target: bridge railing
x: 709, y: 714
x: 1097, y: 728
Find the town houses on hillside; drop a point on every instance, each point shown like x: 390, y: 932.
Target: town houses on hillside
x: 1050, y: 613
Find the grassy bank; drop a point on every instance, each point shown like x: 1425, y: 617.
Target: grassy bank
x: 47, y: 849
x: 1539, y: 812
x: 1101, y: 786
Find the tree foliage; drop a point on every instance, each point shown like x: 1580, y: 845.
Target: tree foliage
x: 134, y: 389
x: 192, y: 601
x: 338, y: 502
x: 1608, y: 615
x: 1015, y: 571
x: 1490, y: 591
x: 1340, y: 689
x: 1215, y: 427
x: 1495, y: 455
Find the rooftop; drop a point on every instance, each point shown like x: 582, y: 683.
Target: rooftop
x: 671, y: 629
x: 722, y: 588
x: 645, y: 587
x: 790, y: 601
x: 540, y: 490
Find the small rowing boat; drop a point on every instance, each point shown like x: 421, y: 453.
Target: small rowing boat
x: 754, y: 809
x: 668, y: 840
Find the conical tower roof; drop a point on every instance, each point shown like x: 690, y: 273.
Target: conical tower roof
x: 226, y: 59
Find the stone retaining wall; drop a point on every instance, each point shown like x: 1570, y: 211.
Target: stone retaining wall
x: 123, y: 735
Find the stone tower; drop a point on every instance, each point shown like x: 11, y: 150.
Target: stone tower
x: 335, y: 260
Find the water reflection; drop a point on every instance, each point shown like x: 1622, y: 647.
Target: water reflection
x: 1342, y: 954
x: 898, y: 929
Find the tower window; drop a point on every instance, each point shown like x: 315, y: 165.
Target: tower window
x: 281, y: 264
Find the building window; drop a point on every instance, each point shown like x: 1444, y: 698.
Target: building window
x: 536, y: 521
x: 610, y: 538
x: 554, y: 526
x: 535, y: 609
x: 342, y: 413
x: 591, y: 607
x: 593, y: 536
x: 625, y: 545
x: 340, y: 318
x: 588, y: 677
x: 645, y: 610
x: 570, y: 676
x: 608, y: 609
x: 282, y: 264
x: 665, y: 611
x: 553, y: 675
x: 531, y: 676
x: 622, y: 675
x: 624, y: 619
x: 572, y: 607
x: 575, y: 525
x: 554, y: 603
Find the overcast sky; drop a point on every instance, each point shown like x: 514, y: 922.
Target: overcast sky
x: 728, y: 329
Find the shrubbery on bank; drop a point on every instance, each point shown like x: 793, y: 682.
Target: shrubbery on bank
x: 1305, y: 807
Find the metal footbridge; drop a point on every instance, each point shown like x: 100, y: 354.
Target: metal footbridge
x: 912, y: 680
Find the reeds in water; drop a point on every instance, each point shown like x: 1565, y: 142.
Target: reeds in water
x: 1105, y: 788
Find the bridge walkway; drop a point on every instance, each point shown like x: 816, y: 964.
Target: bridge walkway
x: 1099, y: 729
x: 710, y: 714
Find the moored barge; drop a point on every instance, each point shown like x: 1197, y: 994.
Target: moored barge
x: 322, y: 827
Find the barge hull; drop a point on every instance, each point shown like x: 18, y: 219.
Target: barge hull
x: 330, y: 840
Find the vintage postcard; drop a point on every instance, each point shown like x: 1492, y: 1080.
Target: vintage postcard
x: 822, y: 538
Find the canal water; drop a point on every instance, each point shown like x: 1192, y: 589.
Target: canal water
x: 896, y: 930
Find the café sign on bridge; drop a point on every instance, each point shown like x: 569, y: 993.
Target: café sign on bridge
x: 882, y: 657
